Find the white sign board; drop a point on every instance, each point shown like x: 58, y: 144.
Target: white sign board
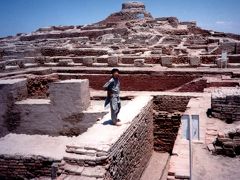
x: 195, y: 126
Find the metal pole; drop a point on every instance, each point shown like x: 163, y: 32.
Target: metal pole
x: 190, y: 146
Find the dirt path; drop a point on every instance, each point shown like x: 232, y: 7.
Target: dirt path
x: 156, y: 167
x: 214, y: 167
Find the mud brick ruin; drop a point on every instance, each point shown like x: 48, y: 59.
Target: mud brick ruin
x: 226, y: 103
x: 52, y: 121
x: 228, y: 142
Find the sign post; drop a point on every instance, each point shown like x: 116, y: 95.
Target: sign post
x: 190, y: 145
x: 190, y: 125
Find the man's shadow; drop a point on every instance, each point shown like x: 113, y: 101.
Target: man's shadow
x: 107, y: 122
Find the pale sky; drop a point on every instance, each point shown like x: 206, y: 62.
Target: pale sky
x: 24, y: 16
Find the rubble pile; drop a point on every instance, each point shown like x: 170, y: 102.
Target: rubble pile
x: 228, y: 142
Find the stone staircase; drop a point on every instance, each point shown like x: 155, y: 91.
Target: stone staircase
x: 83, y: 163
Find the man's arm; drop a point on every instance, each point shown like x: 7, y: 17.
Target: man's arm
x: 108, y: 86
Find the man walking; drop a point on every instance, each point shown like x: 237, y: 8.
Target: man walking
x: 113, y: 90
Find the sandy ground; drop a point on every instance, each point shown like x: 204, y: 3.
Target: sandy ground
x: 215, y: 167
x: 156, y: 167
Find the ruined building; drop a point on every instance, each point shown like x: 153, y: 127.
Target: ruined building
x: 52, y: 120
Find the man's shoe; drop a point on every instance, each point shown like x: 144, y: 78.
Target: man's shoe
x: 117, y: 123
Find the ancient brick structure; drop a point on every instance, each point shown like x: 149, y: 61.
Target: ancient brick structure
x: 171, y: 103
x: 25, y: 167
x: 166, y: 127
x: 131, y: 155
x: 60, y: 114
x: 132, y: 33
x: 130, y: 11
x: 125, y: 159
x: 52, y: 119
x: 227, y: 142
x: 167, y: 120
x: 10, y: 92
x: 226, y: 104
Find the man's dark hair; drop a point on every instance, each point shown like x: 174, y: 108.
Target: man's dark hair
x: 115, y: 70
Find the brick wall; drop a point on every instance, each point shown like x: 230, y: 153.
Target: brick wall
x: 149, y: 60
x: 209, y: 59
x: 171, y: 103
x: 20, y: 167
x: 195, y: 86
x: 166, y: 127
x: 225, y: 103
x: 167, y: 120
x: 222, y: 84
x: 133, y: 150
x: 226, y: 108
x: 137, y: 82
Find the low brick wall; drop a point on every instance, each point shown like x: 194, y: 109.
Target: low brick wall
x: 149, y: 60
x: 21, y: 167
x: 167, y: 120
x: 171, y: 103
x: 222, y: 84
x: 166, y: 127
x: 136, y: 82
x: 209, y: 59
x: 226, y: 104
x: 133, y: 150
x: 195, y: 86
